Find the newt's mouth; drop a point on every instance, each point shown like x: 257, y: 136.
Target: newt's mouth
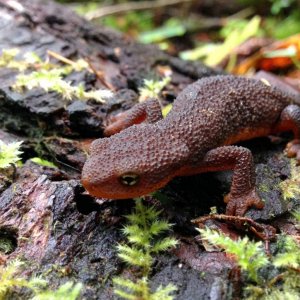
x: 107, y: 191
x: 97, y: 191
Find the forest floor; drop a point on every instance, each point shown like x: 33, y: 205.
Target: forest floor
x: 62, y: 80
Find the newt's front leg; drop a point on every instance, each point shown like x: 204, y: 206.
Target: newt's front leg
x: 148, y: 111
x: 242, y: 194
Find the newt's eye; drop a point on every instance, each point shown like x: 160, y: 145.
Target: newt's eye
x: 129, y: 179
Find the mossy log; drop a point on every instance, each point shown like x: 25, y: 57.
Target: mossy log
x: 63, y: 233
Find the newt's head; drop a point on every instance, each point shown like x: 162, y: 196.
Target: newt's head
x: 132, y: 163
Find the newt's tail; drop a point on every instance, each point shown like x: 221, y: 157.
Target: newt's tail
x: 281, y: 84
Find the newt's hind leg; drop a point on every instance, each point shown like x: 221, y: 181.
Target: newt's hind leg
x: 242, y: 194
x: 148, y: 111
x: 290, y: 121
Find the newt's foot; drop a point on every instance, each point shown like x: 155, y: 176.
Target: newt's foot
x: 116, y: 124
x: 293, y: 150
x: 237, y: 206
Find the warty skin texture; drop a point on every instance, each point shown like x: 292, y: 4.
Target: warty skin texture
x: 207, y: 117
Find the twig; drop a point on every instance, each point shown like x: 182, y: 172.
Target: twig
x: 100, y: 75
x: 60, y: 57
x: 242, y: 14
x: 129, y: 6
x: 276, y: 279
x: 265, y: 232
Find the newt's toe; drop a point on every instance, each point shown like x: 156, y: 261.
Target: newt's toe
x: 238, y: 205
x: 293, y: 150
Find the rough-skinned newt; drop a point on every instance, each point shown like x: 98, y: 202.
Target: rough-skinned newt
x: 207, y: 117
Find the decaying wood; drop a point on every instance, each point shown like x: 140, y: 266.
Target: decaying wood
x: 64, y: 233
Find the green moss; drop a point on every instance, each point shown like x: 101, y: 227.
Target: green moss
x: 67, y: 291
x: 48, y: 76
x: 252, y: 260
x: 143, y: 232
x: 12, y: 281
x: 291, y: 187
x: 6, y: 245
x: 9, y: 154
x: 249, y: 255
x: 264, y: 188
x: 151, y: 88
x: 43, y: 162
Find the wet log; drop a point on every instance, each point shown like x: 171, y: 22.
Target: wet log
x: 63, y: 233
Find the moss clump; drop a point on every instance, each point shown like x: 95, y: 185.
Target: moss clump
x: 252, y: 260
x: 143, y: 233
x: 291, y: 187
x: 12, y: 281
x: 6, y: 245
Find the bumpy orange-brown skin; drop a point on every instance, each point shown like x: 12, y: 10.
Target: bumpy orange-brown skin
x: 206, y: 118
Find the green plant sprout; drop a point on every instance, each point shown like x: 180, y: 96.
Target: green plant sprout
x: 67, y: 291
x: 296, y: 215
x: 152, y: 88
x: 250, y: 257
x: 52, y: 81
x: 9, y: 154
x: 31, y: 61
x: 7, y: 60
x: 49, y: 77
x: 166, y: 109
x: 291, y: 186
x: 143, y: 233
x: 290, y: 257
x: 43, y: 162
x: 6, y: 245
x: 12, y: 282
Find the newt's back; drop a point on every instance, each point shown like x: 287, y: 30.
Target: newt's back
x: 219, y: 109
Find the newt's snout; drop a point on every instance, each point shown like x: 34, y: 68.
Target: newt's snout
x: 137, y: 161
x: 88, y: 178
x: 117, y: 184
